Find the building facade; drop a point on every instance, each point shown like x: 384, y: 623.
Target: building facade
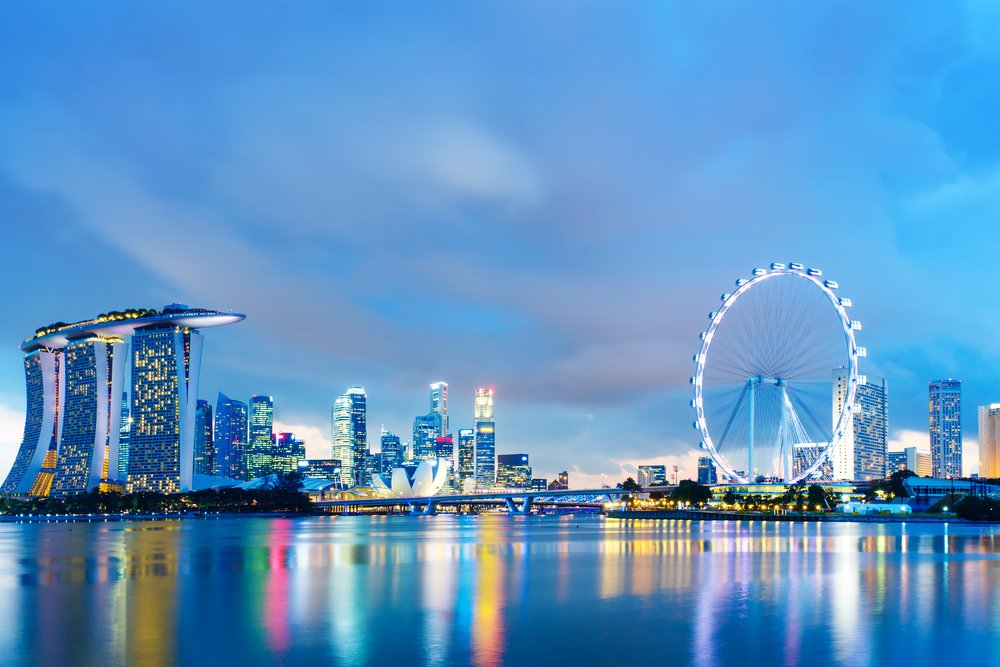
x: 231, y: 419
x: 465, y: 473
x: 439, y: 405
x: 204, y: 440
x: 426, y: 431
x: 513, y: 471
x: 707, y: 472
x: 861, y: 454
x: 392, y: 452
x: 350, y: 434
x: 945, y: 418
x: 485, y: 439
x: 286, y: 452
x: 260, y: 437
x: 989, y: 441
x: 652, y: 475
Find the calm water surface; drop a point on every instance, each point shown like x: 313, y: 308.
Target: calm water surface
x: 498, y: 590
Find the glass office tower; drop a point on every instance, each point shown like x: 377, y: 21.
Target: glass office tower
x: 945, y: 416
x: 230, y: 437
x: 261, y: 437
x: 485, y: 439
x: 204, y: 442
x: 350, y: 434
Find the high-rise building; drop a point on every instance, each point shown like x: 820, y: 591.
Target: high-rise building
x: 652, y: 475
x: 804, y: 454
x: 426, y: 431
x: 539, y: 483
x: 945, y: 416
x: 124, y: 428
x: 392, y: 452
x: 328, y: 469
x: 485, y: 443
x: 75, y: 372
x: 204, y: 442
x: 373, y: 466
x: 707, y: 473
x: 260, y: 437
x: 912, y: 459
x: 861, y: 454
x: 93, y: 372
x: 989, y: 441
x: 560, y: 483
x: 231, y: 417
x: 465, y: 473
x: 439, y: 405
x: 350, y: 434
x: 895, y: 461
x: 445, y: 451
x: 285, y: 454
x: 513, y: 471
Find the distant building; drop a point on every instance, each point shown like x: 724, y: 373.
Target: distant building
x: 707, y: 473
x: 124, y: 427
x: 912, y: 459
x: 350, y: 434
x: 285, y: 454
x: 230, y: 440
x: 989, y: 441
x: 804, y: 454
x: 445, y: 451
x: 485, y: 439
x: 260, y: 437
x: 560, y: 483
x: 465, y: 474
x: 439, y: 406
x: 652, y: 475
x: 321, y: 469
x: 539, y: 484
x: 373, y: 466
x: 426, y: 431
x: 861, y: 453
x: 513, y: 471
x: 204, y: 442
x: 945, y: 416
x: 392, y: 452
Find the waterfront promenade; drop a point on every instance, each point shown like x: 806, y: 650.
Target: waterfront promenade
x: 830, y: 517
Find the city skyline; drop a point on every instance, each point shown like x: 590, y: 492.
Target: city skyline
x: 582, y: 219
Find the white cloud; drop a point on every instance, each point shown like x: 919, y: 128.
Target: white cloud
x: 687, y: 468
x: 11, y: 432
x: 317, y: 442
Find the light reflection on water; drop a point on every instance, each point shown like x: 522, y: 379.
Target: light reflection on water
x: 496, y: 590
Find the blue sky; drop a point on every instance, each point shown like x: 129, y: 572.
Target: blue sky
x: 543, y: 197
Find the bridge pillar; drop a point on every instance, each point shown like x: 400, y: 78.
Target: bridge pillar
x: 431, y: 508
x: 511, y: 507
x: 526, y: 507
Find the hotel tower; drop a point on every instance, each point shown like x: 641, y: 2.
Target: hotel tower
x: 75, y: 377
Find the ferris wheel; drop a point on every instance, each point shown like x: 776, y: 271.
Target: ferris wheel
x: 776, y: 377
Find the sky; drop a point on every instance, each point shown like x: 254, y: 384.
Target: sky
x: 546, y: 198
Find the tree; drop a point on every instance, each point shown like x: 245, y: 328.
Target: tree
x: 629, y: 485
x: 821, y: 498
x: 978, y: 508
x: 691, y: 492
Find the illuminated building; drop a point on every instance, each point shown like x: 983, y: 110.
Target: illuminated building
x: 439, y: 405
x: 410, y: 480
x: 804, y: 454
x: 861, y: 454
x: 350, y: 434
x: 230, y: 437
x: 286, y: 453
x: 43, y: 380
x: 392, y: 452
x: 911, y: 459
x: 426, y: 430
x: 707, y: 473
x: 485, y: 439
x: 513, y: 471
x: 260, y: 437
x: 989, y: 441
x: 945, y: 416
x: 445, y: 451
x: 465, y: 474
x: 652, y: 476
x: 75, y: 374
x: 204, y: 448
x: 539, y: 484
x: 321, y: 469
x: 124, y: 427
x: 561, y: 482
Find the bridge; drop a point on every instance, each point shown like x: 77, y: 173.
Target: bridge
x: 516, y: 501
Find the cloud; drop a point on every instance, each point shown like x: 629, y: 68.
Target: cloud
x: 11, y: 433
x: 687, y: 468
x: 317, y: 441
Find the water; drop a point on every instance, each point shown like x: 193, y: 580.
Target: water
x: 498, y: 590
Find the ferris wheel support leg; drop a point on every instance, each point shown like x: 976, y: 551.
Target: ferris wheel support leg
x: 750, y: 475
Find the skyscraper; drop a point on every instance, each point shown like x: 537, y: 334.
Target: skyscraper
x: 260, y: 437
x: 911, y: 459
x: 392, y: 452
x: 90, y: 415
x: 350, y: 434
x: 945, y: 416
x: 989, y: 441
x: 75, y: 374
x: 426, y: 430
x: 513, y: 471
x: 231, y: 418
x: 861, y: 454
x: 485, y: 434
x: 707, y: 473
x: 124, y: 427
x: 654, y: 475
x: 285, y: 454
x: 204, y: 446
x: 439, y: 405
x: 445, y: 451
x: 465, y: 473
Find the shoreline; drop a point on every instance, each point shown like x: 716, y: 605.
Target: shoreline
x: 100, y: 518
x: 710, y: 515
